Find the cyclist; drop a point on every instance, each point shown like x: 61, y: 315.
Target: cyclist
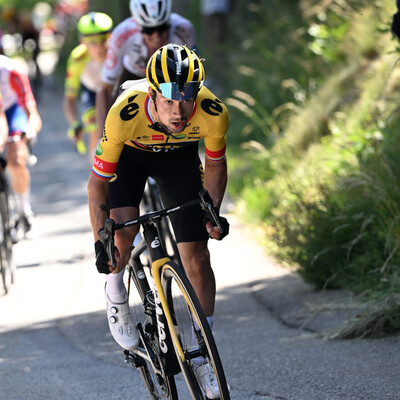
x: 24, y: 122
x: 84, y: 77
x: 133, y: 41
x: 3, y: 126
x: 153, y: 129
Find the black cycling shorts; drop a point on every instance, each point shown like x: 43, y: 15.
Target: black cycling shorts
x: 179, y: 176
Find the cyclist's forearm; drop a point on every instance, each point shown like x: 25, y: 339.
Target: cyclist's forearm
x: 34, y: 119
x: 98, y: 203
x: 70, y: 109
x: 215, y: 179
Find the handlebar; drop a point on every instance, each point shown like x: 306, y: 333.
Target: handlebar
x: 107, y: 233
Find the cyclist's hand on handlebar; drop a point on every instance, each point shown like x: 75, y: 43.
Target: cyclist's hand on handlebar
x: 217, y: 226
x: 214, y: 231
x: 103, y: 264
x: 75, y: 130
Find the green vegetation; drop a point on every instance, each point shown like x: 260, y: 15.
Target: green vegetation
x: 313, y: 90
x: 314, y: 144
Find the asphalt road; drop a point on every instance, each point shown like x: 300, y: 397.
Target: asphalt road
x: 54, y: 338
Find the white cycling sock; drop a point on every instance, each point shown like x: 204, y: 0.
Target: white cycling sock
x: 23, y: 204
x: 115, y: 287
x: 210, y: 320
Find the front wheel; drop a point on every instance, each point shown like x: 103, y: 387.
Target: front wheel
x: 195, y: 336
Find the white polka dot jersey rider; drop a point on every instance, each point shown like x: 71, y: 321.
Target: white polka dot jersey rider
x: 127, y: 49
x: 15, y: 87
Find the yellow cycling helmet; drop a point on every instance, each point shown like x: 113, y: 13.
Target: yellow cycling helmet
x: 176, y: 72
x: 94, y: 23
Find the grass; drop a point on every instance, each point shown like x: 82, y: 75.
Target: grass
x: 315, y: 147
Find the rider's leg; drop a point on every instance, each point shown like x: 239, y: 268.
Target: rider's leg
x: 120, y: 321
x: 196, y: 260
x: 123, y: 241
x: 17, y: 156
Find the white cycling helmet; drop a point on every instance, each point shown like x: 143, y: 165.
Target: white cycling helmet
x: 150, y: 13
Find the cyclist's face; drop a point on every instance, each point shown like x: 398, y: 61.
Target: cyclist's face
x: 173, y: 114
x: 97, y: 47
x: 97, y: 51
x: 155, y: 40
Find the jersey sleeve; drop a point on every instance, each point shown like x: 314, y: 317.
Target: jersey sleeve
x: 215, y: 142
x: 217, y: 116
x: 110, y: 147
x: 117, y: 47
x: 20, y: 85
x: 75, y: 66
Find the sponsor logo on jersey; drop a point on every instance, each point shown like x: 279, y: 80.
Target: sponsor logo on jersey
x: 157, y: 137
x: 212, y: 107
x: 194, y: 130
x: 99, y: 150
x: 131, y: 110
x: 179, y: 136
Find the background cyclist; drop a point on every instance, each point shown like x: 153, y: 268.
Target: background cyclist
x: 153, y: 129
x: 133, y: 41
x: 84, y: 77
x: 24, y: 123
x: 3, y: 126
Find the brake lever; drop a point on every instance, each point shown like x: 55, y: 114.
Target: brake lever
x: 207, y: 205
x: 106, y: 236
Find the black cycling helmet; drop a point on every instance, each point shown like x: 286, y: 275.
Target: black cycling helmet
x: 176, y: 72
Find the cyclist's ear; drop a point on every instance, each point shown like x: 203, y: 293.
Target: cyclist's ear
x: 153, y: 96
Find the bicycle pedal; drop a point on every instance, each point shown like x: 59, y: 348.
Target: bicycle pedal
x: 132, y: 359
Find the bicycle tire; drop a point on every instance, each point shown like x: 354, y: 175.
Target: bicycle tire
x: 158, y: 386
x: 7, y: 270
x: 185, y: 309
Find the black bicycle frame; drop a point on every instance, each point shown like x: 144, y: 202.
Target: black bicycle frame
x: 151, y: 238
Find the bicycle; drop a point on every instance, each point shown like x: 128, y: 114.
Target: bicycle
x: 172, y: 327
x: 6, y: 262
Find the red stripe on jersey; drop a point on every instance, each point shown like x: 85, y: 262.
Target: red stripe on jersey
x: 216, y: 155
x: 105, y: 167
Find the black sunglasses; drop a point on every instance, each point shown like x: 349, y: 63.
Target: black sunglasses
x: 160, y: 29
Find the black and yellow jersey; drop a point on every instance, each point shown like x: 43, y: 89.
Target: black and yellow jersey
x: 129, y: 123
